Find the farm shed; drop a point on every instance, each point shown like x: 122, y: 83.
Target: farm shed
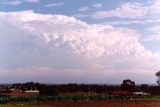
x: 121, y: 93
x: 141, y: 94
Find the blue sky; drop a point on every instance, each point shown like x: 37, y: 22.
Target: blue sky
x: 61, y: 41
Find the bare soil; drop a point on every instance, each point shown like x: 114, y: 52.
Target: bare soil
x: 89, y: 104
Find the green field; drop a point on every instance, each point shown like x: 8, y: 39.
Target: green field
x: 81, y: 101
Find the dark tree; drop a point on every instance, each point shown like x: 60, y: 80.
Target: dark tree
x: 158, y: 75
x: 144, y: 88
x: 128, y: 85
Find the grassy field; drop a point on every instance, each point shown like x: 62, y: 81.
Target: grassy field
x: 88, y: 104
x: 81, y: 101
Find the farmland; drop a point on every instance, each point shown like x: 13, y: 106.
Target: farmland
x: 81, y: 101
x: 116, y: 103
x: 80, y: 95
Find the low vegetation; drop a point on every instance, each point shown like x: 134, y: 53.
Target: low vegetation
x: 7, y: 99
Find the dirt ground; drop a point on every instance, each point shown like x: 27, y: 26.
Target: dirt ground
x: 89, y: 104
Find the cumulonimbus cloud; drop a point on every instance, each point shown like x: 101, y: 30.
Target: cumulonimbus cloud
x: 65, y: 44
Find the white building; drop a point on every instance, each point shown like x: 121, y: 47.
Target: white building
x: 141, y: 94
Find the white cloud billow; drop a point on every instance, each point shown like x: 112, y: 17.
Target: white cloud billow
x: 98, y: 5
x: 83, y: 9
x: 32, y: 1
x: 13, y: 3
x: 54, y: 5
x: 64, y: 48
x: 17, y: 2
x: 132, y: 11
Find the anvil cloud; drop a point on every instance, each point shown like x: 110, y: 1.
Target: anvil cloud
x: 61, y: 49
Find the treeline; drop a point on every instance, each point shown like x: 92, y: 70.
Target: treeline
x: 57, y: 89
x: 75, y: 88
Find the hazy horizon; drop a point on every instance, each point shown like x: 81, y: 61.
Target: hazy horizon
x: 57, y: 41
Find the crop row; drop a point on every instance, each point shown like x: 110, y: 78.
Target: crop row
x: 8, y: 99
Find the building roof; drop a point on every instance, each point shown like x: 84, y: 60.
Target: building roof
x: 31, y: 91
x: 18, y: 92
x: 121, y: 93
x: 141, y: 93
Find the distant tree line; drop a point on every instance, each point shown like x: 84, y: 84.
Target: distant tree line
x: 57, y: 89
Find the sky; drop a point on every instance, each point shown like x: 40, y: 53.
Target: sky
x: 79, y: 41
